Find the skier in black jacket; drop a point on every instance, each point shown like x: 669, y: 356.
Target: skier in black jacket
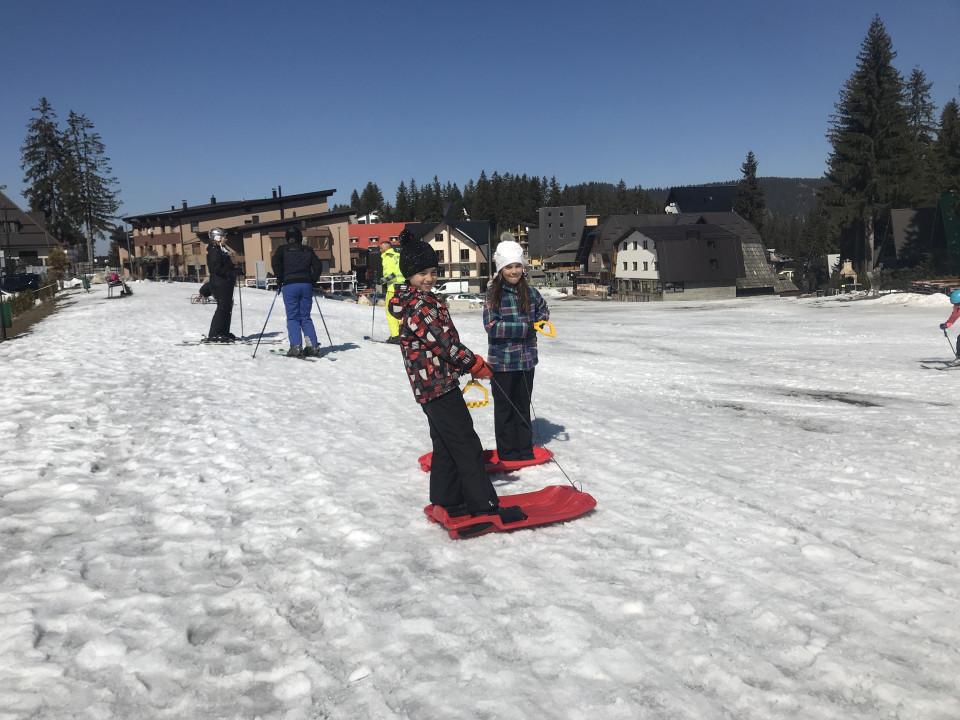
x: 297, y: 267
x: 223, y: 276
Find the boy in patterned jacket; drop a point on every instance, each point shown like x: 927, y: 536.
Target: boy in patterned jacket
x: 435, y: 358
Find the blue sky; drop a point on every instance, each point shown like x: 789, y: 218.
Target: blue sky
x: 234, y: 98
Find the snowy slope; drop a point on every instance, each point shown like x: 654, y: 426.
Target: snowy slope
x: 189, y: 532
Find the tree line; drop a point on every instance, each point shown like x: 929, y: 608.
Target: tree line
x: 68, y: 177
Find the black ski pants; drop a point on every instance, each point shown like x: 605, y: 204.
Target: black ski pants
x: 511, y: 414
x: 223, y: 292
x: 457, y: 473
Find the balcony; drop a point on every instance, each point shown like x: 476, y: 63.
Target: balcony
x: 156, y: 239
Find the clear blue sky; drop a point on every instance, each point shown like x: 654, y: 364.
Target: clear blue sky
x: 233, y: 98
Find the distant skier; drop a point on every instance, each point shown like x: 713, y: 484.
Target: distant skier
x: 391, y: 278
x: 955, y: 299
x: 435, y: 359
x: 297, y: 268
x: 509, y: 314
x: 223, y: 276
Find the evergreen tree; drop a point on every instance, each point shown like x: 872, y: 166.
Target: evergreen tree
x: 553, y: 193
x: 88, y: 185
x: 415, y: 201
x: 42, y: 159
x: 869, y: 166
x: 922, y: 123
x: 751, y: 204
x: 371, y: 199
x: 402, y: 211
x: 356, y: 204
x: 947, y: 149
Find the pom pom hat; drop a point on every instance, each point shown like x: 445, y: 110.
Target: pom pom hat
x: 509, y: 251
x: 415, y: 255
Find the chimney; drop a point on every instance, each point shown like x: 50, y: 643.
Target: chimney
x: 213, y: 199
x: 279, y: 190
x: 274, y: 193
x: 184, y: 204
x: 173, y: 207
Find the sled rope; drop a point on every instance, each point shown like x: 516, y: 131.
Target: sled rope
x: 536, y: 435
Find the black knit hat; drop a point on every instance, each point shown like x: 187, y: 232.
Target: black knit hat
x: 294, y: 235
x: 415, y: 255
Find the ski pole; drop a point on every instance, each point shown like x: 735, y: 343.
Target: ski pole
x: 373, y: 314
x: 260, y: 337
x: 322, y: 320
x: 952, y: 349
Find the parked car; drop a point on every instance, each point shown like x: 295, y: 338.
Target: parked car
x: 18, y: 282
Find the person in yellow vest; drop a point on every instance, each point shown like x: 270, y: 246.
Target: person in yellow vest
x: 390, y: 278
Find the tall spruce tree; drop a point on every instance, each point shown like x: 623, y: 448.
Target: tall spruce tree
x: 923, y: 131
x: 88, y: 183
x: 947, y: 149
x: 869, y: 166
x: 751, y: 204
x: 402, y: 212
x: 42, y: 159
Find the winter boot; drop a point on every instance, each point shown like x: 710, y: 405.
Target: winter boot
x: 295, y: 351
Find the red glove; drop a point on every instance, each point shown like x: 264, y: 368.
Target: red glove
x: 480, y: 369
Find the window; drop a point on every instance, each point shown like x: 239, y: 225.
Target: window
x: 254, y: 219
x: 714, y: 264
x: 711, y: 244
x: 624, y: 264
x: 625, y: 245
x: 561, y: 213
x: 194, y: 226
x: 644, y: 244
x: 548, y: 213
x: 354, y: 241
x: 634, y: 244
x: 561, y: 224
x: 374, y: 240
x: 464, y: 255
x: 549, y: 224
x: 439, y: 256
x: 646, y: 265
x: 438, y: 237
x: 394, y: 238
x: 635, y: 266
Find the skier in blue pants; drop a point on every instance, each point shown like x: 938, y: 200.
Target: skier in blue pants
x: 297, y: 267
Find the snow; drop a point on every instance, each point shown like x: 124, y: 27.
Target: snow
x: 190, y: 532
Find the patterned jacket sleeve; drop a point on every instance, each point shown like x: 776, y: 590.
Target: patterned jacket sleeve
x: 424, y: 322
x: 541, y: 311
x: 501, y: 327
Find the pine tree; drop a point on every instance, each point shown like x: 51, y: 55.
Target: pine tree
x: 947, y: 149
x: 356, y: 204
x: 402, y: 212
x: 42, y: 159
x: 87, y: 180
x: 554, y: 195
x: 371, y: 199
x: 751, y: 203
x: 868, y: 169
x: 923, y: 129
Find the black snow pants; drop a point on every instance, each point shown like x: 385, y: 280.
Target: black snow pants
x: 223, y: 292
x: 511, y: 414
x: 457, y: 473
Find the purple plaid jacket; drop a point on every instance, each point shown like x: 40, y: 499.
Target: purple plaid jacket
x: 510, y: 334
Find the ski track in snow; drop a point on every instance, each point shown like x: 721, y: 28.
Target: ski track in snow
x: 190, y: 532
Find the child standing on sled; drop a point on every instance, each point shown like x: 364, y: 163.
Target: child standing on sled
x: 509, y: 315
x: 435, y: 358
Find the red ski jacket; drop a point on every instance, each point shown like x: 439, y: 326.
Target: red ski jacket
x: 433, y: 355
x: 953, y: 316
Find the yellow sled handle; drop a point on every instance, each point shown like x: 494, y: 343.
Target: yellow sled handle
x: 476, y: 385
x: 545, y: 328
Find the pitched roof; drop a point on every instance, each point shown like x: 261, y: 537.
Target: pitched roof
x: 703, y: 198
x: 290, y: 221
x: 26, y: 231
x: 218, y: 207
x: 363, y: 232
x: 477, y: 230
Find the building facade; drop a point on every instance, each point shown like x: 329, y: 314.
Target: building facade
x: 172, y: 243
x: 24, y: 239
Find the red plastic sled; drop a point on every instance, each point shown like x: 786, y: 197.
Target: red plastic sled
x: 553, y: 503
x: 493, y: 462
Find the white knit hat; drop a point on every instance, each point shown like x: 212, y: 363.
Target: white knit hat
x: 509, y: 251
